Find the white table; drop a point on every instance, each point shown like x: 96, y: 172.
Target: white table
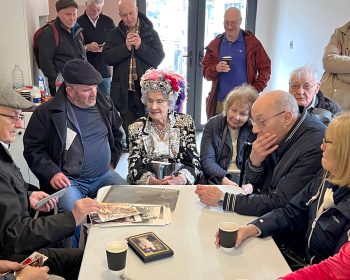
x: 191, y: 236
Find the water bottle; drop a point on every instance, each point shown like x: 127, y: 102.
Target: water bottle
x: 59, y: 81
x: 17, y: 77
x: 36, y: 96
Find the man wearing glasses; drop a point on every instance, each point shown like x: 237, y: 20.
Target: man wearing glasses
x: 284, y: 157
x: 303, y: 85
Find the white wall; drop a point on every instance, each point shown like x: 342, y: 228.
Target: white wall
x: 18, y: 21
x: 308, y: 23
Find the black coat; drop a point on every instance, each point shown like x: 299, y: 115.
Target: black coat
x: 325, y: 235
x: 285, y: 172
x: 21, y: 234
x: 52, y: 59
x: 115, y: 53
x: 45, y: 137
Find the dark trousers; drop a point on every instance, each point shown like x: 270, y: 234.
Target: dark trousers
x: 135, y: 110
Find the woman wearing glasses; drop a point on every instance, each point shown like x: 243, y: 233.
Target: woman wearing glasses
x: 225, y: 137
x: 321, y: 211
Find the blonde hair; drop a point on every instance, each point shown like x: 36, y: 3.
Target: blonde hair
x: 246, y: 94
x: 338, y: 132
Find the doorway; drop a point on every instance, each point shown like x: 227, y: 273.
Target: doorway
x: 185, y: 27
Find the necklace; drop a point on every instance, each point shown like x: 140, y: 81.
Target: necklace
x: 160, y: 132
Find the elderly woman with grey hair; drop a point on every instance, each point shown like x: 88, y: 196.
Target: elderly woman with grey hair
x: 164, y: 139
x: 225, y: 136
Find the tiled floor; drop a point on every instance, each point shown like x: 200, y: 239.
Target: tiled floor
x: 122, y: 167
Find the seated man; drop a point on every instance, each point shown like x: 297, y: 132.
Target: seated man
x: 284, y: 157
x: 303, y: 85
x: 20, y: 233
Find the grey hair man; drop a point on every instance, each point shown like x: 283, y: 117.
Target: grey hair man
x: 96, y: 27
x: 20, y: 233
x: 284, y: 157
x: 304, y: 86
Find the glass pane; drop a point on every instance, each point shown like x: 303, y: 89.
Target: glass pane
x: 214, y: 25
x: 165, y: 15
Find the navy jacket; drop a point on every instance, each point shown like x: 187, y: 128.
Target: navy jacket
x: 285, y: 172
x: 45, y: 138
x: 210, y: 146
x: 324, y: 235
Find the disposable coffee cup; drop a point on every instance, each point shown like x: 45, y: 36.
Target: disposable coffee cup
x: 228, y: 234
x: 116, y: 255
x: 227, y: 59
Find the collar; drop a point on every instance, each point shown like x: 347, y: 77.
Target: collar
x: 313, y: 102
x: 94, y: 22
x: 6, y: 146
x: 239, y: 39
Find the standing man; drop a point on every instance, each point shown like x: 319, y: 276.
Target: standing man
x: 70, y: 42
x: 74, y: 141
x: 335, y: 82
x: 250, y: 62
x: 96, y: 27
x: 20, y: 233
x: 131, y: 48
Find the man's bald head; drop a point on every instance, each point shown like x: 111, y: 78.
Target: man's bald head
x: 128, y: 12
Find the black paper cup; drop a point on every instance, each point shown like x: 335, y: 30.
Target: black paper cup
x: 116, y: 255
x: 228, y: 234
x: 227, y: 59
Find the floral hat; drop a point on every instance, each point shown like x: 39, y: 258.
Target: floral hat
x: 171, y: 83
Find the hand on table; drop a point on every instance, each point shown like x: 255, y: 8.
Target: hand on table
x: 82, y: 208
x: 243, y: 233
x: 209, y: 195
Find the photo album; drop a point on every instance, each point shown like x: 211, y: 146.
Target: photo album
x: 149, y: 247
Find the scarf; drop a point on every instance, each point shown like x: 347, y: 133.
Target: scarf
x: 132, y: 66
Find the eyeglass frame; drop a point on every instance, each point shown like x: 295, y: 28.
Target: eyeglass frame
x: 325, y: 142
x: 261, y: 124
x: 14, y: 119
x: 302, y: 86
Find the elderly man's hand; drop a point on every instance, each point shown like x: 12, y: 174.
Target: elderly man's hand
x: 59, y: 181
x: 6, y: 266
x: 33, y: 273
x: 82, y: 208
x: 222, y: 66
x: 93, y: 47
x: 209, y: 195
x: 263, y: 146
x: 133, y: 39
x: 35, y: 197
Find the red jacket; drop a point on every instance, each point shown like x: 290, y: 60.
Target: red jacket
x: 333, y: 268
x: 258, y: 66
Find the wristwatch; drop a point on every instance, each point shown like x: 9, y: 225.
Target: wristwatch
x: 221, y: 200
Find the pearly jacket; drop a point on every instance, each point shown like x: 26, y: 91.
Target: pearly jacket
x: 182, y: 145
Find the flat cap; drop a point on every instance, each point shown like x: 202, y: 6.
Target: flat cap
x: 80, y: 72
x: 12, y: 99
x: 62, y: 4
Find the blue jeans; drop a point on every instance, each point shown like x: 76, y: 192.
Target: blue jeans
x: 105, y: 86
x: 81, y: 188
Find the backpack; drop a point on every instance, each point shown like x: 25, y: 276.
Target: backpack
x: 37, y: 33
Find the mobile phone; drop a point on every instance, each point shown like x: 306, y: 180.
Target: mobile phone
x: 43, y: 201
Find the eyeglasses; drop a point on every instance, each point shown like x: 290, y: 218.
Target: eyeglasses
x: 14, y: 119
x: 261, y: 124
x: 306, y: 86
x: 325, y: 142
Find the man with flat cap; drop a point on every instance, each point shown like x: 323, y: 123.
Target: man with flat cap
x: 20, y: 234
x: 70, y: 45
x: 74, y: 141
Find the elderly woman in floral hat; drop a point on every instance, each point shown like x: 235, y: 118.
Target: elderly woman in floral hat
x: 164, y: 139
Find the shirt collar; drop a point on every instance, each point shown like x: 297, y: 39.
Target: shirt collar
x: 239, y: 39
x: 6, y: 146
x: 313, y: 102
x: 94, y: 22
